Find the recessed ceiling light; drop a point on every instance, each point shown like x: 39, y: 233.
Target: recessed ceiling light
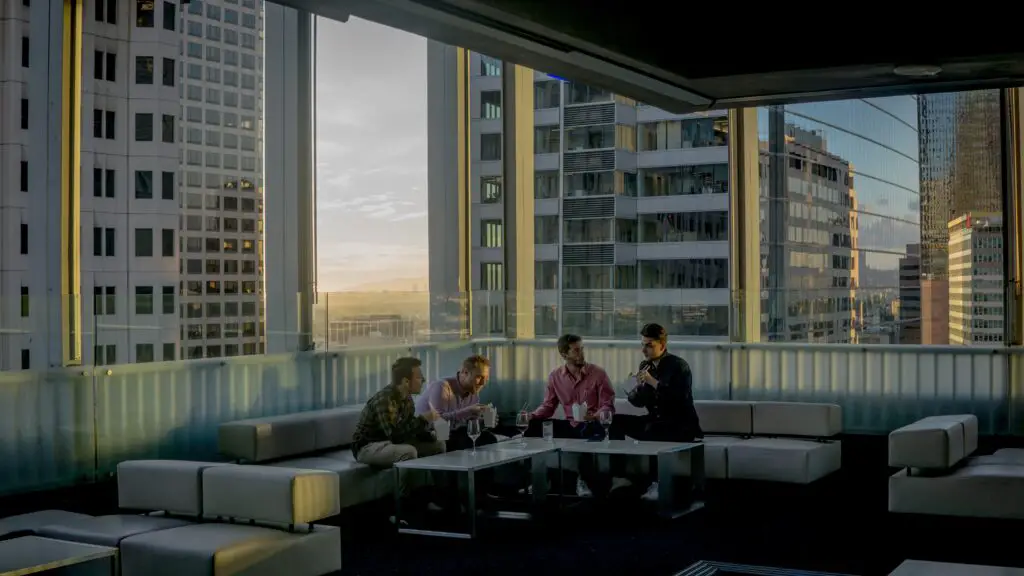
x: 917, y: 71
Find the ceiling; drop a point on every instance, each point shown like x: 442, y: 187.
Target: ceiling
x: 684, y: 57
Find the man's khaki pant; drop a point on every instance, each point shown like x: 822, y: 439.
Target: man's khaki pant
x: 386, y: 454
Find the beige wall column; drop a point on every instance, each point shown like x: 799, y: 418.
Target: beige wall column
x: 517, y: 179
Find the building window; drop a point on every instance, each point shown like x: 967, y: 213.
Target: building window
x: 490, y: 147
x: 105, y: 354
x: 143, y: 184
x: 168, y: 300
x: 167, y: 243
x: 545, y: 184
x: 24, y: 239
x: 143, y: 69
x: 143, y: 299
x: 167, y: 185
x: 170, y: 15
x: 168, y: 352
x: 97, y: 123
x: 24, y: 302
x: 490, y: 66
x: 106, y: 11
x: 111, y: 67
x: 491, y: 233
x: 97, y: 65
x: 111, y: 183
x: 168, y: 71
x: 23, y: 177
x: 144, y: 13
x: 109, y: 236
x: 546, y: 139
x: 167, y: 128
x: 492, y: 276
x: 97, y: 182
x: 143, y: 353
x: 24, y: 51
x: 144, y: 242
x: 24, y: 113
x: 490, y: 104
x: 111, y: 124
x: 490, y: 189
x: 26, y: 355
x: 143, y: 127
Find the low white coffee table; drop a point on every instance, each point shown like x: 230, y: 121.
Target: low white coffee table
x: 469, y: 463
x: 923, y: 568
x: 37, y: 555
x: 674, y: 460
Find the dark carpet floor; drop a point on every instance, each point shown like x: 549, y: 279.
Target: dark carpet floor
x: 839, y: 525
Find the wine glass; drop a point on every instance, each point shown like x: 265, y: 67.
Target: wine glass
x: 473, y: 431
x: 605, y: 418
x: 523, y: 423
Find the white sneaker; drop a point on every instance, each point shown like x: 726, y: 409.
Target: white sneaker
x: 401, y: 523
x: 652, y: 493
x: 619, y: 483
x: 582, y: 490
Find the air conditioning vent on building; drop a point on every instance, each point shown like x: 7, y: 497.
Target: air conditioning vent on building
x: 576, y: 208
x: 588, y: 254
x: 589, y: 161
x: 589, y: 114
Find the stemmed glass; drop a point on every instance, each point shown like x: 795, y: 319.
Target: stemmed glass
x: 523, y: 423
x: 605, y: 418
x: 473, y: 431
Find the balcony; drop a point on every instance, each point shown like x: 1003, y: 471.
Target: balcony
x: 65, y: 426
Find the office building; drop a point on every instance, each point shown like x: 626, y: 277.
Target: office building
x: 976, y: 287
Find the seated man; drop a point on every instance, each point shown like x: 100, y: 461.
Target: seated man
x: 575, y: 382
x: 664, y: 386
x: 389, y: 430
x: 457, y: 400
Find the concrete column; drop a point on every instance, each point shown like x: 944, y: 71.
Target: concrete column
x: 290, y: 177
x: 518, y: 179
x: 744, y: 226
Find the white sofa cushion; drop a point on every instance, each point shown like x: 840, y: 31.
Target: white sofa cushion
x: 783, y: 459
x: 716, y: 455
x: 260, y: 439
x: 980, y: 491
x: 333, y: 428
x: 930, y: 443
x: 232, y: 550
x: 725, y: 417
x: 173, y: 486
x: 969, y: 423
x: 359, y: 483
x: 797, y: 419
x: 270, y: 494
x: 108, y: 530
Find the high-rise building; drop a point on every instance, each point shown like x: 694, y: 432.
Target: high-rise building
x: 960, y: 173
x: 910, y: 296
x: 222, y: 208
x: 630, y: 205
x: 976, y: 286
x: 170, y: 183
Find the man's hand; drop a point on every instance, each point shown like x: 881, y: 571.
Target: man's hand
x: 644, y: 377
x: 474, y: 411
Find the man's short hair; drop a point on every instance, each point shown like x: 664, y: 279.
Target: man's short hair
x: 566, y: 341
x: 403, y: 368
x: 654, y: 332
x: 475, y: 363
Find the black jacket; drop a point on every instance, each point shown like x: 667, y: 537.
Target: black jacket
x: 671, y: 403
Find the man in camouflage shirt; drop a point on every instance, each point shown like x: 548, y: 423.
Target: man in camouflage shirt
x: 389, y: 430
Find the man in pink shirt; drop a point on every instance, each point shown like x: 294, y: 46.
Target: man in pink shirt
x: 575, y: 382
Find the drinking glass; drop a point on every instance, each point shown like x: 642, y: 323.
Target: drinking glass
x: 523, y: 423
x: 473, y: 431
x: 549, y: 431
x: 605, y: 418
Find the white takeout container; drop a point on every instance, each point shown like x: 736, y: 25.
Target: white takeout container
x: 442, y: 429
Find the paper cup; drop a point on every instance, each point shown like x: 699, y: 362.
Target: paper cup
x: 442, y: 428
x: 490, y: 417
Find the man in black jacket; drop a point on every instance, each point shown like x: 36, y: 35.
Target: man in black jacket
x: 664, y: 386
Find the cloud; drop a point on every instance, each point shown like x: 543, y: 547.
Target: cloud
x: 371, y: 153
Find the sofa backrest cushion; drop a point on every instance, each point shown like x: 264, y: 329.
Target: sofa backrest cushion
x: 809, y: 419
x: 725, y: 416
x: 173, y: 486
x: 936, y: 442
x: 270, y: 494
x: 333, y: 428
x: 274, y: 437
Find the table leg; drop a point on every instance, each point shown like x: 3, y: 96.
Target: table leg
x: 472, y: 503
x: 398, y: 497
x: 674, y: 502
x: 539, y: 481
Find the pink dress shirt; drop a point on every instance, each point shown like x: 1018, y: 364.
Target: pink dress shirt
x: 591, y: 386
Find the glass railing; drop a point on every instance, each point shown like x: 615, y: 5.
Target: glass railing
x: 65, y: 425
